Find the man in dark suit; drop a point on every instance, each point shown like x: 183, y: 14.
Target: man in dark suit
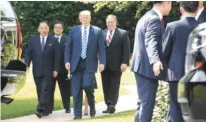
x: 147, y: 60
x: 63, y: 82
x: 174, y: 51
x: 43, y: 51
x: 117, y: 46
x: 201, y: 13
x: 85, y: 44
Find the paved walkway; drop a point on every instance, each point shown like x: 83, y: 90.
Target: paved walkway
x: 125, y: 103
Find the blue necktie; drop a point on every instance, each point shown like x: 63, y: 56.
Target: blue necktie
x: 84, y: 43
x: 42, y: 44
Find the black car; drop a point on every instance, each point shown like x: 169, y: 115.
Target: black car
x: 13, y: 71
x: 192, y: 87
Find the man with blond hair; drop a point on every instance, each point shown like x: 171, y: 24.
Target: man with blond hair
x: 84, y: 45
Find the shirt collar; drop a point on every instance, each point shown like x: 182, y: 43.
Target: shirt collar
x: 158, y: 13
x: 199, y: 12
x: 58, y: 36
x: 45, y: 37
x: 86, y: 27
x: 182, y: 17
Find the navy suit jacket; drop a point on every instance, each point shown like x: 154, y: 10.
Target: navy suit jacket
x: 95, y: 48
x: 174, y: 46
x: 148, y: 45
x: 202, y: 17
x: 62, y: 45
x: 44, y: 63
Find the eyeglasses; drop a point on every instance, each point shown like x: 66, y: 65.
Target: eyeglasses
x: 58, y: 27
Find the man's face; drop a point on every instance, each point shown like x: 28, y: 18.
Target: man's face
x: 111, y: 23
x: 43, y: 29
x: 167, y: 6
x: 58, y: 29
x: 85, y: 19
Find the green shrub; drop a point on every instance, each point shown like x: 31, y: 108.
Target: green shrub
x: 162, y: 103
x: 9, y: 52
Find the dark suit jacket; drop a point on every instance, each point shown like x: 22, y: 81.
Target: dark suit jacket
x: 95, y: 48
x: 174, y: 46
x: 202, y: 17
x: 118, y: 51
x: 148, y: 45
x: 62, y: 46
x: 44, y: 63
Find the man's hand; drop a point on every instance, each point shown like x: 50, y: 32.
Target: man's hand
x: 55, y: 73
x: 157, y: 66
x: 123, y: 67
x: 67, y: 66
x: 101, y: 67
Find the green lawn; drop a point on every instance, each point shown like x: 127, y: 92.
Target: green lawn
x: 25, y: 101
x: 119, y: 117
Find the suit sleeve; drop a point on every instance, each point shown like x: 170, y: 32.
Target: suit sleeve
x: 167, y: 44
x: 126, y: 49
x: 68, y: 48
x: 57, y: 56
x: 28, y: 53
x: 152, y: 38
x: 101, y: 48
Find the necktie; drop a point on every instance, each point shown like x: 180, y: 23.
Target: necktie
x: 109, y: 38
x: 42, y: 44
x: 162, y: 21
x: 58, y: 39
x: 84, y: 43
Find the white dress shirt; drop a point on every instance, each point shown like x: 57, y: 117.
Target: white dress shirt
x: 108, y: 33
x: 199, y: 13
x: 158, y: 13
x: 88, y: 27
x: 45, y: 38
x: 59, y: 38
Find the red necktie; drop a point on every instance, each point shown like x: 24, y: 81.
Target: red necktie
x: 163, y: 22
x: 109, y: 38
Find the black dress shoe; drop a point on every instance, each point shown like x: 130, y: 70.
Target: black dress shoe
x: 77, y: 117
x: 68, y: 111
x: 111, y: 109
x: 92, y: 113
x: 106, y: 111
x: 38, y: 114
x: 45, y: 114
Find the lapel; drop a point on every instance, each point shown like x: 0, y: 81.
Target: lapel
x: 47, y: 43
x: 91, y: 33
x: 114, y: 38
x: 62, y: 40
x: 105, y: 36
x: 39, y: 43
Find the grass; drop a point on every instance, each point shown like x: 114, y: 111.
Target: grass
x: 119, y: 117
x: 25, y: 101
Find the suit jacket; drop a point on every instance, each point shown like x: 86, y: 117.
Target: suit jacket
x: 202, y: 17
x: 174, y: 46
x: 62, y: 45
x: 44, y: 63
x: 148, y: 45
x: 118, y: 51
x: 95, y: 48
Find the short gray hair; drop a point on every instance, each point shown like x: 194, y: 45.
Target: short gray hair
x: 111, y: 15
